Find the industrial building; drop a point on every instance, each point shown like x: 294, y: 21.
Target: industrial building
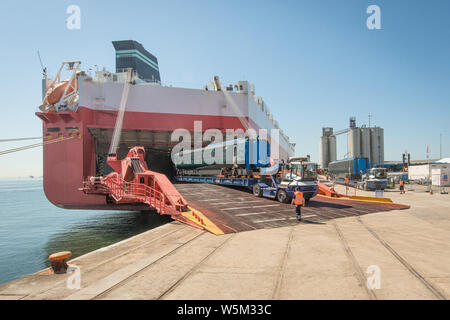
x: 438, y: 171
x: 363, y: 142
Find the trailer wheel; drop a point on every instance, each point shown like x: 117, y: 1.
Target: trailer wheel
x: 282, y: 196
x: 257, y: 190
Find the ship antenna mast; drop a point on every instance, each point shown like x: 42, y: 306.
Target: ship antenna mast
x: 44, y: 69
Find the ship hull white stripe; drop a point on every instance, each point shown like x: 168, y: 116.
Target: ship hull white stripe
x: 150, y: 98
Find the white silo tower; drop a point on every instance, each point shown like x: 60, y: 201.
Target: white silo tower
x: 332, y: 149
x: 377, y: 146
x: 327, y: 147
x: 365, y: 142
x: 323, y: 152
x: 354, y: 143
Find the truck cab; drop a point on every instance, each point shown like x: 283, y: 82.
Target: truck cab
x: 374, y: 179
x: 297, y: 173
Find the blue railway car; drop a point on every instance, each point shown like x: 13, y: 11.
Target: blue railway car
x: 238, y: 157
x: 352, y: 168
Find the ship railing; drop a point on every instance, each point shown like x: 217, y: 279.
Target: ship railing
x: 138, y: 192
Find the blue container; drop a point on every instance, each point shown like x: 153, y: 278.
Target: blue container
x: 249, y: 153
x: 354, y: 167
x: 257, y: 153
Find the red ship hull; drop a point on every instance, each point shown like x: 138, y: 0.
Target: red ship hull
x: 69, y: 161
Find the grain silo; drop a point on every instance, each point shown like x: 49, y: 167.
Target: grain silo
x: 354, y: 143
x: 362, y: 142
x: 323, y: 152
x: 332, y: 149
x: 327, y: 147
x: 377, y: 146
x: 365, y: 142
x: 381, y: 144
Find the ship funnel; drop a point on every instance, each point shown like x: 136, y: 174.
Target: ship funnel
x: 131, y: 54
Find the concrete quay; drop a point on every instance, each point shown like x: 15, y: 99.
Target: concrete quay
x: 408, y: 249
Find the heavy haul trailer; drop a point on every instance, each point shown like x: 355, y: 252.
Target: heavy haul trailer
x: 359, y: 174
x: 250, y: 168
x: 280, y: 185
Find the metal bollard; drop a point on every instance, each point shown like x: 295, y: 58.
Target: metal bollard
x: 58, y: 261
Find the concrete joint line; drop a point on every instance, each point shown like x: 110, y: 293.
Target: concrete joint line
x: 282, y: 269
x: 359, y: 273
x: 96, y: 295
x: 191, y: 271
x: 133, y: 249
x: 73, y: 261
x: 405, y: 263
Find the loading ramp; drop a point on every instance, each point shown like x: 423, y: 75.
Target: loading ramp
x: 216, y: 208
x: 232, y: 209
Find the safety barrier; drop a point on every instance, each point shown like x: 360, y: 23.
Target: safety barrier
x: 327, y: 191
x: 123, y: 191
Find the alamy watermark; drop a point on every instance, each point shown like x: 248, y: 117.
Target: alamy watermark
x: 374, y: 279
x: 73, y: 22
x: 220, y: 151
x: 374, y: 20
x: 74, y: 280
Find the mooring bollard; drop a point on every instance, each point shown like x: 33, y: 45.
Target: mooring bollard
x: 58, y: 261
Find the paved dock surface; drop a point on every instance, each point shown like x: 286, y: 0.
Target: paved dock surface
x: 236, y: 210
x: 309, y: 260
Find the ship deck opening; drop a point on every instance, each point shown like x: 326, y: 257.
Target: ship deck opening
x: 157, y: 146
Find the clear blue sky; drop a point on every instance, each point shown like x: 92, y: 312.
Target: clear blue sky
x: 314, y: 62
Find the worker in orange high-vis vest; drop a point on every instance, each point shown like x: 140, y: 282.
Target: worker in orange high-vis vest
x: 402, y: 186
x: 298, y: 201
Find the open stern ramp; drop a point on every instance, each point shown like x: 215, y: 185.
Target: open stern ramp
x: 233, y: 209
x: 132, y: 183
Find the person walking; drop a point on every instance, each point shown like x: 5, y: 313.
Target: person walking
x: 402, y: 186
x: 298, y: 201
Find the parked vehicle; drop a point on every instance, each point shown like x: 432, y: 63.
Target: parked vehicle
x: 359, y: 174
x: 278, y: 181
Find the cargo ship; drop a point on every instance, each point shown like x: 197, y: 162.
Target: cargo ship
x: 79, y: 115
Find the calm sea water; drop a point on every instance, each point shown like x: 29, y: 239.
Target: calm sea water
x: 31, y: 228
